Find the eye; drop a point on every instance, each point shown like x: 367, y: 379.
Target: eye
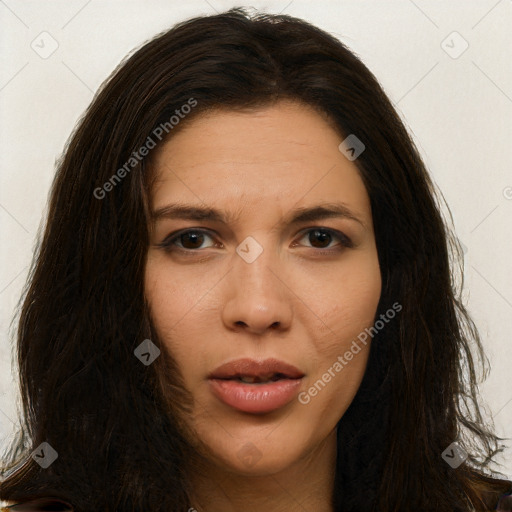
x: 190, y: 239
x: 320, y: 238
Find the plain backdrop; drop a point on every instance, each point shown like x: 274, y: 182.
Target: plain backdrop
x: 446, y: 66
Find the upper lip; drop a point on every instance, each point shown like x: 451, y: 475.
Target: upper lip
x: 254, y: 368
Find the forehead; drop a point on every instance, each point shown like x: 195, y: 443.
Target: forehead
x: 275, y: 157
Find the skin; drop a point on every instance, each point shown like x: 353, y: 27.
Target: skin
x: 293, y: 302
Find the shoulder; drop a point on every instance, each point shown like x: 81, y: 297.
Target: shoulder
x: 38, y: 505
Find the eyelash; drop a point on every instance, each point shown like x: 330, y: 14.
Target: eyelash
x: 168, y: 243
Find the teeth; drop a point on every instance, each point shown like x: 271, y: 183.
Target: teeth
x: 248, y: 380
x: 267, y: 378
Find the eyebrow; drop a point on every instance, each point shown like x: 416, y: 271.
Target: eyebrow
x: 297, y: 216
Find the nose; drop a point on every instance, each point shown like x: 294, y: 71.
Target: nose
x: 257, y: 298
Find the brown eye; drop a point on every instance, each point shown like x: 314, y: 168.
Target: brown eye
x: 321, y: 238
x: 186, y: 240
x: 191, y: 239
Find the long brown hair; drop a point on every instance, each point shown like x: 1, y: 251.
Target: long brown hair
x: 114, y: 422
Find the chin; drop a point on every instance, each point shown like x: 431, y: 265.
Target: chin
x: 258, y: 458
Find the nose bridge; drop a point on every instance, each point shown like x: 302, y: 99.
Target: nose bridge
x: 257, y: 298
x: 254, y: 268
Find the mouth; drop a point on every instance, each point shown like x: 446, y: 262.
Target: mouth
x: 256, y: 387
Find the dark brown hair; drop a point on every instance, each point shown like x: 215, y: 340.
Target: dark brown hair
x: 114, y: 422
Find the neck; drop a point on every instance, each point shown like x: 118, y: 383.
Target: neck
x: 306, y: 485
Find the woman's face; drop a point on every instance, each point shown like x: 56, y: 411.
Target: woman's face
x: 246, y: 280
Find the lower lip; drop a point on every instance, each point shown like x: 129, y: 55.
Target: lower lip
x: 255, y: 398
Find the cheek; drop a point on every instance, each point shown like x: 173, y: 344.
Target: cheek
x: 348, y: 300
x: 171, y: 294
x: 358, y: 304
x: 342, y: 353
x: 169, y: 303
x: 164, y: 292
x: 349, y: 304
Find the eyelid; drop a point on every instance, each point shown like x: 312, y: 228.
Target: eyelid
x: 168, y: 243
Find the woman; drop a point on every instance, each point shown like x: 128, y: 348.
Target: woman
x: 243, y: 295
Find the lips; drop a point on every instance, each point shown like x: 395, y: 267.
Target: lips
x: 260, y: 371
x: 256, y: 387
